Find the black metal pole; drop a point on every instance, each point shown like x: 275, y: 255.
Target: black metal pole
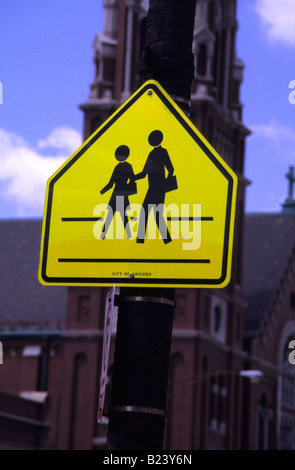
x: 167, y: 56
x: 145, y: 317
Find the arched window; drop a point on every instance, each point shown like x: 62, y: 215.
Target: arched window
x: 220, y: 404
x: 211, y: 15
x: 262, y: 424
x: 78, y: 383
x: 288, y: 377
x: 286, y: 385
x: 202, y: 60
x: 217, y: 401
x: 217, y: 318
x: 205, y: 404
x: 174, y: 395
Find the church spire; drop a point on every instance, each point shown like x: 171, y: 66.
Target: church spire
x: 289, y: 204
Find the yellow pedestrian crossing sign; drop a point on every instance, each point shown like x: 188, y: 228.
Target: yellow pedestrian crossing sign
x: 145, y: 201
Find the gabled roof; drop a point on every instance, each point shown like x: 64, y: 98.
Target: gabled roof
x: 24, y: 302
x: 268, y: 243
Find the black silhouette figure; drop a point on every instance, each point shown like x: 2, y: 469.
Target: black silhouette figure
x: 123, y: 179
x: 157, y: 160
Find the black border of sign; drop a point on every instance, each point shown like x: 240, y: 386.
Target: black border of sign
x: 139, y: 281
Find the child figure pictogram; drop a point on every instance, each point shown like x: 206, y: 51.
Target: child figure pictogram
x: 123, y: 179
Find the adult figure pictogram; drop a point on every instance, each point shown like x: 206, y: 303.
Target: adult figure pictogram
x: 157, y: 161
x: 123, y: 179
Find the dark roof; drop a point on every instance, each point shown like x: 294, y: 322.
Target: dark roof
x: 24, y: 302
x: 268, y: 243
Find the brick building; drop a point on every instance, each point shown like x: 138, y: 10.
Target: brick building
x: 269, y: 327
x: 52, y: 336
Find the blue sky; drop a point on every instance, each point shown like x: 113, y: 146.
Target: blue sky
x: 266, y: 43
x: 46, y: 68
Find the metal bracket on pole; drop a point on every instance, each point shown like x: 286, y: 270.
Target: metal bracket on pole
x: 136, y: 409
x: 138, y: 298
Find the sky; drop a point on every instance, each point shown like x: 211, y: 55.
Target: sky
x: 46, y: 68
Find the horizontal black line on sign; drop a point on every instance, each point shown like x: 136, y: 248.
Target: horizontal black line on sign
x: 81, y: 219
x: 187, y: 219
x: 94, y: 219
x: 191, y: 218
x: 129, y: 260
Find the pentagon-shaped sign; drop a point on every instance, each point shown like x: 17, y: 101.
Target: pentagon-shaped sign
x: 145, y: 201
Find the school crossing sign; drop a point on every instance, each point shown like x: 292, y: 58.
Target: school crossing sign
x: 145, y: 201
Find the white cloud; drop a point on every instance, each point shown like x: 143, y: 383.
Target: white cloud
x: 24, y: 171
x: 275, y: 132
x: 278, y: 139
x: 278, y: 18
x: 63, y: 138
